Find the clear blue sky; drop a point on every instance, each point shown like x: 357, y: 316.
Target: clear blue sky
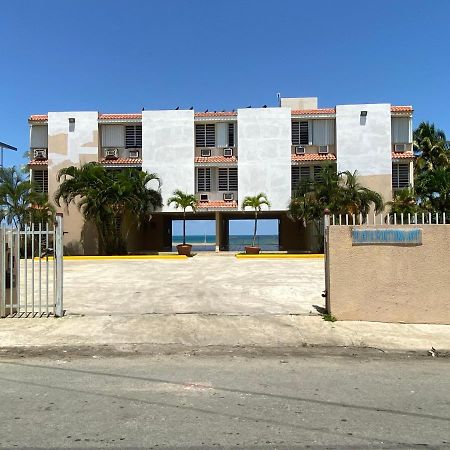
x: 116, y: 56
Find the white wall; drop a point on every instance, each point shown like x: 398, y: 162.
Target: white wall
x: 364, y: 144
x: 168, y: 150
x: 264, y: 163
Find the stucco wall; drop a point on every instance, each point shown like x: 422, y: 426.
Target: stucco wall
x: 264, y: 165
x: 364, y: 144
x: 72, y: 145
x: 168, y: 150
x: 390, y: 283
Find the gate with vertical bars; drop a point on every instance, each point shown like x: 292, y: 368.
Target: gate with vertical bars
x: 31, y: 270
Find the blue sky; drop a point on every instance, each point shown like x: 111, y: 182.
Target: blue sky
x: 116, y: 56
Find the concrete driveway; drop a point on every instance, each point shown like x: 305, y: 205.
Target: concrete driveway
x: 205, y: 284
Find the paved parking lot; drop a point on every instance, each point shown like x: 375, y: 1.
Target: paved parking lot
x: 205, y: 284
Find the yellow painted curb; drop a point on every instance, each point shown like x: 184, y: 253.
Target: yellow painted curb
x: 280, y: 256
x: 112, y: 258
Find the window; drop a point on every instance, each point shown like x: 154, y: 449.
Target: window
x: 40, y: 179
x: 317, y: 173
x: 203, y: 179
x: 228, y: 179
x: 133, y: 136
x: 401, y: 130
x: 205, y: 135
x: 231, y: 134
x: 300, y: 133
x: 299, y: 174
x: 400, y: 175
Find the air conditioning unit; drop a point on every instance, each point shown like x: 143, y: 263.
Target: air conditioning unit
x: 227, y: 152
x: 299, y: 150
x: 205, y: 152
x: 400, y: 147
x: 133, y: 153
x: 111, y: 153
x: 40, y: 153
x: 228, y: 196
x: 204, y: 197
x: 323, y: 149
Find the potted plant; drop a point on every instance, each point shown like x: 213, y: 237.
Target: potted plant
x: 184, y: 201
x: 256, y: 202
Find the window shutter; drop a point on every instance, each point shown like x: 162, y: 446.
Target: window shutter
x: 304, y: 133
x: 223, y: 179
x: 200, y: 135
x: 232, y: 179
x: 231, y: 135
x: 203, y: 179
x: 305, y: 173
x: 40, y: 178
x: 133, y: 136
x: 400, y: 175
x: 210, y: 135
x: 295, y: 133
x: 317, y: 174
x: 295, y: 176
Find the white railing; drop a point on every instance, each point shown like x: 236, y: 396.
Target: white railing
x: 389, y: 219
x: 31, y: 270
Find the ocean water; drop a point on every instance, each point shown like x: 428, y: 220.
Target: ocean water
x: 237, y: 242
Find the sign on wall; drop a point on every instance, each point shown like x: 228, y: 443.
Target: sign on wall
x: 387, y: 236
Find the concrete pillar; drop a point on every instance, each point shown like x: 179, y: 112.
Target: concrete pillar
x: 218, y: 218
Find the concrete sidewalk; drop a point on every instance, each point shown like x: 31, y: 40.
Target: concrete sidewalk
x: 196, y: 330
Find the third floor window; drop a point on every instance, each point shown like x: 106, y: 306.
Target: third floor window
x: 205, y: 135
x: 133, y: 136
x: 300, y: 133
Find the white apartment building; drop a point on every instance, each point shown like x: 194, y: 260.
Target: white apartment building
x: 224, y: 156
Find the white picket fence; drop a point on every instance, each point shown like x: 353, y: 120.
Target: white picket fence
x: 31, y: 270
x: 388, y: 219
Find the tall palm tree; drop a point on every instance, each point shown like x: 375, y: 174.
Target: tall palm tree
x: 105, y: 198
x: 431, y: 147
x: 184, y: 201
x: 256, y: 203
x: 433, y: 187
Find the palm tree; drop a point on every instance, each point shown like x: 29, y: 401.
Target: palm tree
x: 433, y: 187
x: 354, y: 198
x: 256, y: 202
x: 404, y: 202
x: 183, y: 201
x: 20, y: 203
x: 431, y: 147
x: 105, y: 198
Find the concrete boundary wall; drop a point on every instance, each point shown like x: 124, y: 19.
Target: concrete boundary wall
x: 390, y: 282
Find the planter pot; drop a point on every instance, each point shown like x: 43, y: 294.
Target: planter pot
x: 184, y: 249
x: 250, y: 250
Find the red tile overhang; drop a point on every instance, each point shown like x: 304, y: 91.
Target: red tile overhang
x: 215, y: 159
x: 122, y: 161
x: 402, y: 155
x: 313, y: 157
x: 38, y: 162
x: 217, y: 204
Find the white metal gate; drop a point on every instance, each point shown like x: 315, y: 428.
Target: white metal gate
x: 31, y: 270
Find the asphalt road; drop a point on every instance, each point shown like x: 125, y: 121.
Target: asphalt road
x: 225, y: 400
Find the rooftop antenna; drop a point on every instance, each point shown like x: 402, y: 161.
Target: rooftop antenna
x: 6, y: 147
x: 279, y: 98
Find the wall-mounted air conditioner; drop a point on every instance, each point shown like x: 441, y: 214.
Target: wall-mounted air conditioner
x: 133, y: 153
x: 228, y: 196
x: 399, y: 148
x: 205, y: 152
x: 227, y: 152
x: 299, y: 150
x: 111, y: 153
x: 323, y: 149
x: 204, y: 197
x: 40, y: 153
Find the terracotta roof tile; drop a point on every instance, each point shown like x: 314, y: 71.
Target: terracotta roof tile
x: 401, y: 108
x: 119, y: 116
x: 217, y: 204
x: 301, y: 112
x: 314, y: 157
x: 123, y: 161
x: 402, y: 155
x: 38, y: 162
x: 216, y: 114
x: 38, y: 117
x: 215, y: 159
